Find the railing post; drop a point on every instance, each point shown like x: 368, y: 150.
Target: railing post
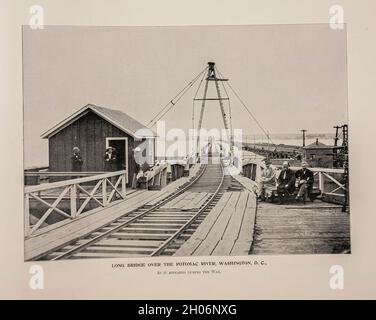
x: 164, y: 177
x: 73, y: 200
x: 123, y: 184
x: 159, y: 179
x: 321, y: 182
x: 27, y: 214
x: 104, y: 192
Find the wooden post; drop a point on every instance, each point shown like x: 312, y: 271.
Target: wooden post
x: 160, y: 178
x: 78, y: 201
x: 27, y: 214
x: 321, y: 182
x: 186, y: 169
x: 73, y: 200
x: 123, y: 184
x: 157, y: 179
x: 164, y: 178
x: 104, y: 192
x: 134, y: 181
x: 173, y: 172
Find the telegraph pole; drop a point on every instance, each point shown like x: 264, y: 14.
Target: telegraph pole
x: 336, y: 138
x: 304, y: 131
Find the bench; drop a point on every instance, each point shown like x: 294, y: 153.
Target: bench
x: 272, y: 193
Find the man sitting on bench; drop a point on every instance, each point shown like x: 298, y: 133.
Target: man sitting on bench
x: 286, y: 182
x: 267, y: 181
x: 304, y: 178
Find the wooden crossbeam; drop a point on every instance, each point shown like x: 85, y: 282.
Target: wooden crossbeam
x: 52, y: 207
x: 65, y: 183
x: 336, y: 189
x: 114, y: 189
x: 73, y: 187
x: 90, y: 196
x: 335, y: 181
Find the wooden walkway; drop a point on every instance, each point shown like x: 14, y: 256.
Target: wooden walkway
x: 236, y: 225
x: 314, y: 228
x: 49, y: 240
x: 227, y: 229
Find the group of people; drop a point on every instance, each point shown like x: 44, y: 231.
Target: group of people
x: 110, y: 160
x: 287, y: 182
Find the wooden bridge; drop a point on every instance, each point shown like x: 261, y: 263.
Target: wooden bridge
x: 171, y: 208
x: 201, y: 212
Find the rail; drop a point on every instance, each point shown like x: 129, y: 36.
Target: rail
x: 103, y: 189
x: 62, y: 174
x: 174, y: 236
x: 39, y: 177
x: 170, y: 197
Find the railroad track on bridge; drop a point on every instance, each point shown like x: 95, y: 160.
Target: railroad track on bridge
x: 150, y: 230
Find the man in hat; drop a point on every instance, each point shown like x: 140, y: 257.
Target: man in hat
x: 110, y: 162
x: 286, y: 182
x: 304, y: 178
x: 76, y: 160
x: 267, y: 179
x: 110, y: 159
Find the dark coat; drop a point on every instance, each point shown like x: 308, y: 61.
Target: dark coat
x: 305, y: 175
x: 287, y: 179
x: 110, y: 163
x: 76, y: 162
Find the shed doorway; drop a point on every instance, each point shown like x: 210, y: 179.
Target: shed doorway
x: 121, y: 147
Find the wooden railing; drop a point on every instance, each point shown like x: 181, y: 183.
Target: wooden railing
x: 103, y: 189
x: 156, y: 177
x: 328, y: 180
x: 38, y: 177
x: 335, y: 187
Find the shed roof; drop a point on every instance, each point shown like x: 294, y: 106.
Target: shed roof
x: 318, y: 145
x: 116, y: 117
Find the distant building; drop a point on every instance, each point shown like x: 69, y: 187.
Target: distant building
x: 321, y: 155
x: 93, y: 129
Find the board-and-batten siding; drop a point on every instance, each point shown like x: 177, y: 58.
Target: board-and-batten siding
x: 89, y: 133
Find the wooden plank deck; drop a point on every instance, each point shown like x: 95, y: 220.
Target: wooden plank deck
x: 68, y: 230
x: 227, y: 229
x: 314, y: 228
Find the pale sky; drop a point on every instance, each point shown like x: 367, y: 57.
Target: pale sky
x: 290, y: 76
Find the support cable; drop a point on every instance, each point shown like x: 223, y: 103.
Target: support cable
x: 193, y: 101
x: 249, y: 111
x: 174, y: 100
x: 227, y: 96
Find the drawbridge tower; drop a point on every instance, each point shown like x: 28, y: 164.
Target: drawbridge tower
x: 212, y: 77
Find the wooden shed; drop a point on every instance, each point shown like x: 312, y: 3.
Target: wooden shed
x: 321, y: 155
x: 93, y: 129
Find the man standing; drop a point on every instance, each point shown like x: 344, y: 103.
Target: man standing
x: 76, y: 160
x: 110, y: 160
x: 267, y: 179
x: 304, y: 178
x: 286, y: 182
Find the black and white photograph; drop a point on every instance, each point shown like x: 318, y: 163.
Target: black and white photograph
x: 185, y: 141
